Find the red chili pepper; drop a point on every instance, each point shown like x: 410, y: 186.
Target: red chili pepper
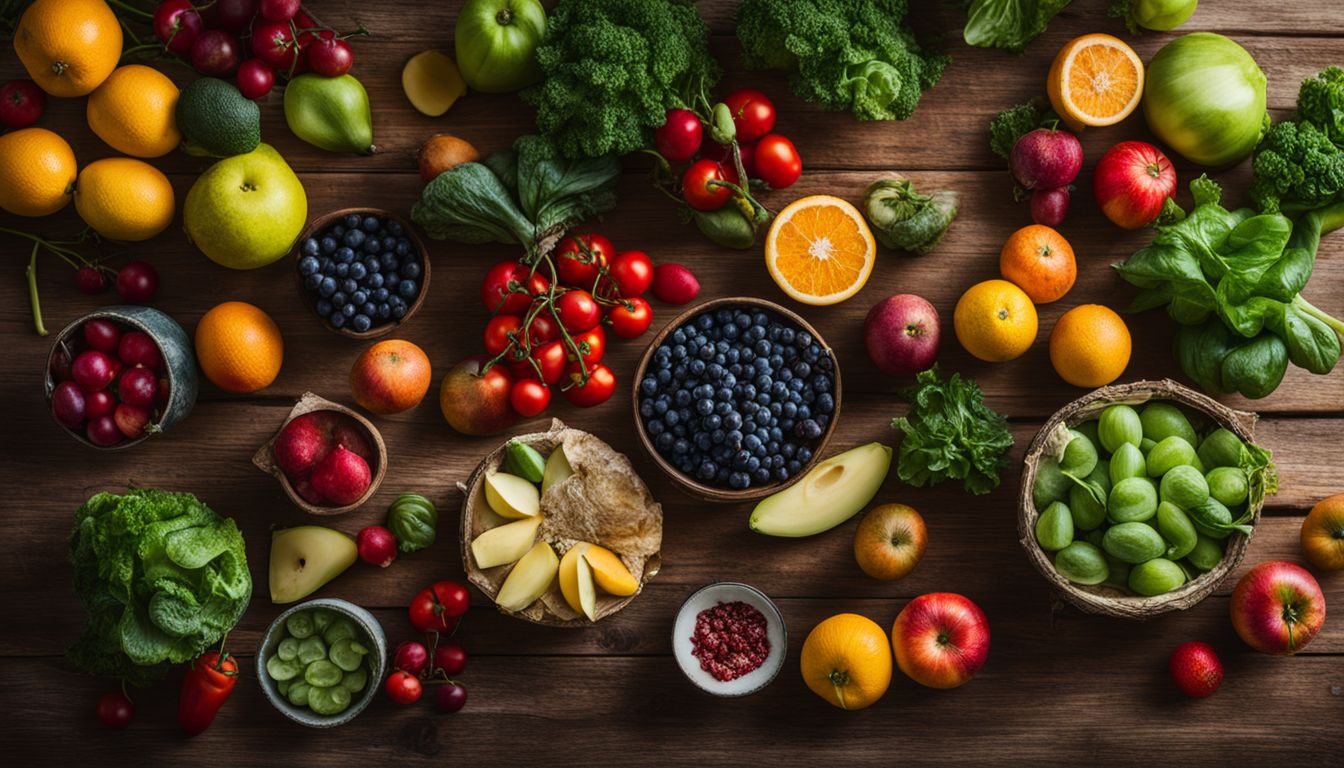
x: 207, y: 685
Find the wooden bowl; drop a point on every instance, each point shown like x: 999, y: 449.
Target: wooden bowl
x: 321, y: 223
x: 710, y: 492
x: 264, y: 458
x: 1100, y: 598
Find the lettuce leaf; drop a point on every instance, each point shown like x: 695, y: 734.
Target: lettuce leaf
x: 1009, y: 24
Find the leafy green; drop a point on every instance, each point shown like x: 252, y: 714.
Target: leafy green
x: 414, y: 520
x: 950, y: 434
x: 162, y: 576
x: 1015, y: 122
x: 856, y: 55
x: 903, y: 218
x: 612, y: 69
x: 1234, y: 278
x: 528, y: 195
x: 1299, y: 165
x: 1008, y: 24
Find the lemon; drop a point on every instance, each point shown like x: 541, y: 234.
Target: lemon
x: 124, y: 199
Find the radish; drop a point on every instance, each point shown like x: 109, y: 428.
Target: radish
x: 377, y: 546
x: 674, y: 284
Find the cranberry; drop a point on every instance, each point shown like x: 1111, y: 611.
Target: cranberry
x: 730, y: 640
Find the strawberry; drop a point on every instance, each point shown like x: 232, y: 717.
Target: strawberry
x: 1196, y: 669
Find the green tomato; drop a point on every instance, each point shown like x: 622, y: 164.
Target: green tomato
x: 1161, y: 15
x: 1119, y: 424
x: 496, y: 43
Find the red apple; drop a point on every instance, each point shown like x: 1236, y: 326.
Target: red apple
x: 902, y: 333
x: 1133, y: 182
x: 1046, y: 158
x: 390, y: 377
x: 940, y: 639
x: 341, y: 478
x: 1277, y: 607
x: 1196, y: 669
x: 890, y: 541
x: 474, y: 403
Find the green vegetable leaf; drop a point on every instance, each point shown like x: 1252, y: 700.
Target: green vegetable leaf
x: 1255, y: 368
x: 951, y: 434
x: 469, y: 204
x: 1015, y: 122
x: 1009, y: 24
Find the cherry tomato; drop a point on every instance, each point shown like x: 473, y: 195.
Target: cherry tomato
x: 177, y: 24
x: 437, y: 608
x: 679, y: 137
x: 330, y: 56
x: 777, y: 162
x: 592, y: 345
x: 632, y: 272
x: 273, y: 43
x: 598, y: 389
x: 403, y: 687
x: 550, y: 358
x: 578, y: 311
x: 630, y: 319
x: 255, y: 78
x: 579, y: 258
x: 497, y: 290
x: 723, y: 154
x: 695, y: 186
x: 753, y: 113
x: 500, y: 333
x: 530, y: 397
x: 543, y: 329
x: 115, y: 709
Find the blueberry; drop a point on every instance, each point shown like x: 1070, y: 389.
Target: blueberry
x: 354, y: 238
x: 326, y: 265
x: 648, y: 385
x: 761, y: 476
x: 808, y: 429
x: 369, y: 309
x: 723, y: 394
x: 655, y: 427
x: 825, y: 403
x: 384, y: 311
x: 723, y: 409
x: 342, y: 270
x: 357, y: 270
x: 359, y: 297
x: 392, y: 283
x: 704, y: 407
x: 672, y: 417
x: 804, y: 455
x: 646, y: 409
x: 739, y: 480
x: 327, y: 287
x: 712, y: 422
x: 786, y: 336
x: 338, y: 231
x: 372, y: 264
x: 373, y: 245
x: 702, y: 441
x: 787, y: 450
x: 781, y: 474
x: 389, y: 261
x: 403, y: 247
x: 337, y: 320
x: 751, y: 442
x: 407, y: 289
x: 323, y: 307
x: 343, y: 255
x: 338, y: 299
x: 394, y: 228
x: 351, y: 220
x: 681, y: 446
x: 697, y: 367
x: 740, y: 459
x: 371, y: 224
x: 310, y: 247
x: 794, y: 466
x: 732, y: 421
x: 375, y: 281
x: 348, y: 310
x: 349, y: 285
x: 411, y: 270
x: 664, y: 442
x: 399, y: 309
x: 312, y: 281
x: 361, y: 322
x: 706, y: 471
x: 328, y: 245
x: 664, y: 376
x: 804, y: 412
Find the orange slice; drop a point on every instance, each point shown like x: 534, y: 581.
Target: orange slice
x: 1095, y: 80
x: 820, y: 250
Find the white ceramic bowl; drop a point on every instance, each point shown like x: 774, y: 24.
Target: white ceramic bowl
x: 728, y: 592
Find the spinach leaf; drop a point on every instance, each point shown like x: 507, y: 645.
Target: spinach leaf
x: 1009, y: 24
x: 1200, y: 350
x: 1255, y: 368
x: 1311, y: 343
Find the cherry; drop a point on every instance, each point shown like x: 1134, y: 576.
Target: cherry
x: 90, y: 280
x: 102, y: 335
x: 103, y: 432
x: 137, y: 282
x: 92, y: 370
x: 67, y: 404
x: 330, y: 56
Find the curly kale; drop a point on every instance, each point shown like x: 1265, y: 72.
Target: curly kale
x: 1320, y: 101
x: 1299, y: 165
x: 1015, y: 122
x: 856, y: 55
x: 612, y: 69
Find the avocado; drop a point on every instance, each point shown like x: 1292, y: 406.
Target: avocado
x: 216, y: 120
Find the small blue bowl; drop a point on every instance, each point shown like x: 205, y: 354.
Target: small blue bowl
x: 174, y: 345
x: 377, y: 663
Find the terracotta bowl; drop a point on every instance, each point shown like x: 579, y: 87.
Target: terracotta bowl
x: 264, y: 458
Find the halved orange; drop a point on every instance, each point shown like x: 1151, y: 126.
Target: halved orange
x: 819, y: 250
x: 1095, y: 80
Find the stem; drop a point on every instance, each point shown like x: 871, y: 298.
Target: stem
x: 31, y: 273
x: 130, y: 9
x: 1332, y: 218
x: 1305, y: 306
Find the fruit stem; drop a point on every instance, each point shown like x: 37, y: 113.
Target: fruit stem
x: 130, y: 9
x: 31, y: 273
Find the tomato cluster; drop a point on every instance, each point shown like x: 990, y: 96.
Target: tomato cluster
x: 436, y: 610
x: 550, y: 321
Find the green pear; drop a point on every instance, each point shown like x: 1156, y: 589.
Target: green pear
x: 331, y: 113
x: 246, y: 211
x: 306, y: 557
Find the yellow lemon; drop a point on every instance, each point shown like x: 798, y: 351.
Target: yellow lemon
x: 133, y: 111
x: 124, y: 199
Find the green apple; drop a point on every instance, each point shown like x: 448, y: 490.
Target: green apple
x: 557, y: 469
x: 511, y: 496
x: 306, y: 557
x: 246, y: 211
x: 834, y: 491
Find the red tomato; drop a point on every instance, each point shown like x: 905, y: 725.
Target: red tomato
x: 437, y: 608
x: 579, y: 258
x: 753, y: 113
x: 550, y: 358
x: 632, y: 272
x: 723, y: 154
x: 530, y: 397
x: 777, y: 162
x: 543, y: 328
x: 695, y: 185
x: 631, y: 319
x: 403, y: 688
x: 500, y: 333
x: 592, y: 345
x: 598, y: 389
x: 679, y: 137
x: 578, y: 311
x: 497, y: 290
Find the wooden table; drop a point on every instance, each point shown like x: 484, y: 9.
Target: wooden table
x: 1059, y: 686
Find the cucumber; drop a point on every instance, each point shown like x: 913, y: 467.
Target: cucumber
x: 524, y: 461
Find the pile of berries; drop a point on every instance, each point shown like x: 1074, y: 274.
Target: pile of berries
x: 362, y: 272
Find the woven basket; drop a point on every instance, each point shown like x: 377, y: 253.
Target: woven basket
x: 1050, y: 441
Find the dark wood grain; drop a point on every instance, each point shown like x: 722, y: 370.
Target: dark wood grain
x: 1060, y: 687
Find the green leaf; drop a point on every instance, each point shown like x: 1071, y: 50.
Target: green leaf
x: 1311, y: 343
x: 1008, y: 24
x: 1255, y: 368
x: 951, y: 434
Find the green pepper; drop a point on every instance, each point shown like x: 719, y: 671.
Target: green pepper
x: 413, y: 519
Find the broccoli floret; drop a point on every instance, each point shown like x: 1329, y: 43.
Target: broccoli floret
x: 1297, y: 168
x: 613, y: 68
x: 1320, y: 101
x: 1016, y: 121
x: 855, y: 55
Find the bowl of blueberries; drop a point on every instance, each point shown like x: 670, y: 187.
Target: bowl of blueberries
x: 736, y: 399
x: 364, y: 271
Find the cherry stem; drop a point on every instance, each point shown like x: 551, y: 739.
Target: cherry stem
x: 131, y: 9
x: 31, y: 273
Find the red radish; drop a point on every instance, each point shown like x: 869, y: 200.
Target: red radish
x: 278, y: 10
x: 273, y: 43
x: 137, y: 348
x: 21, y: 103
x: 255, y: 78
x: 451, y: 658
x: 177, y: 25
x: 1132, y: 183
x: 679, y: 137
x: 1196, y: 669
x: 1049, y: 206
x: 341, y: 478
x: 411, y: 657
x: 102, y: 335
x: 138, y: 386
x: 103, y: 432
x: 330, y: 56
x: 131, y: 420
x: 233, y: 15
x: 1046, y: 158
x: 90, y: 281
x: 674, y: 284
x: 99, y: 404
x: 137, y: 282
x: 215, y: 53
x: 67, y: 404
x: 300, y: 446
x: 450, y: 697
x: 92, y: 370
x: 377, y: 546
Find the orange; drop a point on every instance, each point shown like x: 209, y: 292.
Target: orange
x: 68, y: 46
x: 1095, y: 79
x: 124, y: 199
x: 1090, y: 346
x: 846, y: 660
x: 1040, y: 261
x: 133, y: 111
x: 819, y: 250
x: 239, y: 347
x: 37, y: 172
x: 995, y: 321
x: 1323, y: 534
